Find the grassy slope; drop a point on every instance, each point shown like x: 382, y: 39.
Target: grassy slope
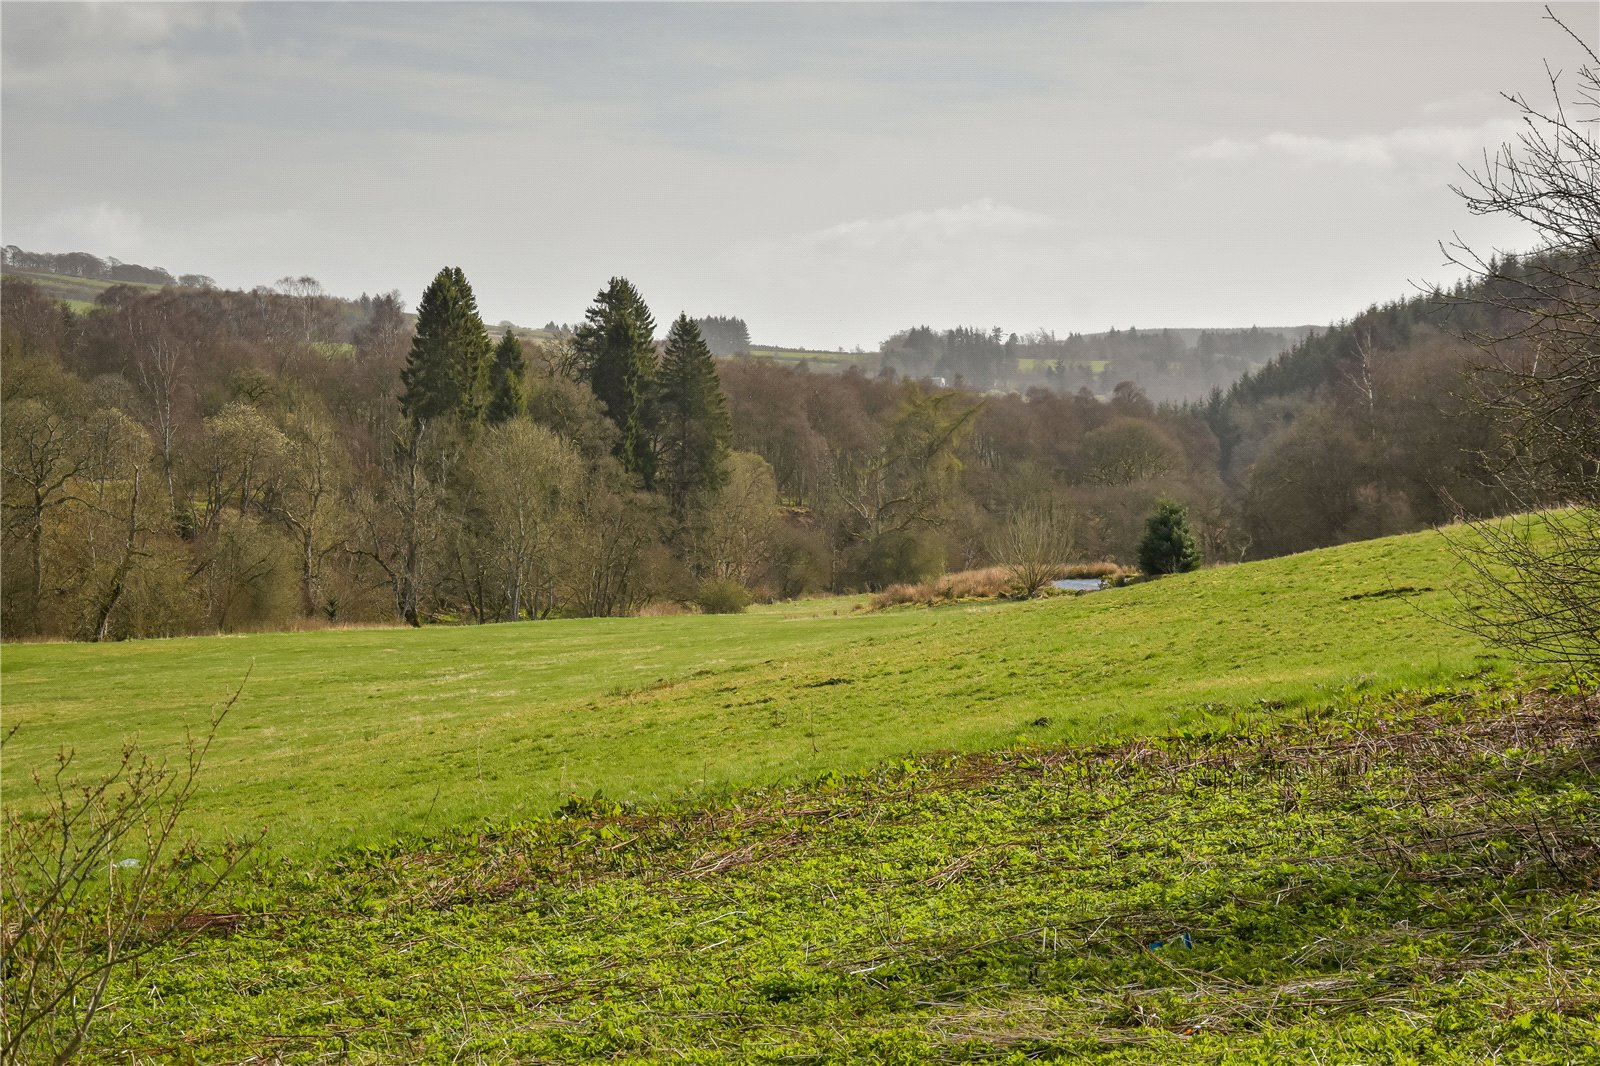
x: 79, y: 293
x: 358, y: 735
x: 1401, y: 881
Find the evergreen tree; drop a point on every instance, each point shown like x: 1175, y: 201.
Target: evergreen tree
x: 505, y: 381
x: 616, y: 355
x: 725, y: 336
x: 446, y: 371
x: 1168, y: 547
x: 694, y: 418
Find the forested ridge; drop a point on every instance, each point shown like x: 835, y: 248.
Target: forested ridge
x: 1168, y: 364
x: 193, y: 460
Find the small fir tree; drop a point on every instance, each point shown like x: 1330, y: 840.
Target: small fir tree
x: 506, y: 374
x: 693, y: 418
x: 1168, y: 547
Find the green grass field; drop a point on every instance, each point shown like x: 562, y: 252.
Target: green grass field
x: 77, y: 293
x: 1279, y: 812
x: 822, y: 360
x: 1388, y: 881
x: 1028, y: 366
x: 355, y: 736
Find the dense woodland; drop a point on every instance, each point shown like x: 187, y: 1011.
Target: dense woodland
x: 194, y: 460
x: 1167, y: 364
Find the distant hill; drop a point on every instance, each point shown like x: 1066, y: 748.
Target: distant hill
x: 91, y: 267
x: 77, y: 293
x: 1173, y: 364
x: 1168, y: 364
x: 78, y: 278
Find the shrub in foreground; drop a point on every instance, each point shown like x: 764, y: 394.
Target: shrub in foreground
x: 95, y: 879
x: 722, y: 597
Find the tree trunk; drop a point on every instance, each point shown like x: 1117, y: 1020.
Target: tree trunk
x: 308, y: 602
x: 413, y: 568
x: 119, y: 577
x: 36, y: 558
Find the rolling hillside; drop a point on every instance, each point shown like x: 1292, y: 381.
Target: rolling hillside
x: 77, y: 293
x: 356, y: 735
x: 1274, y: 812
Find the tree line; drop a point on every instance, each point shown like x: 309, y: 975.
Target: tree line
x: 1168, y: 364
x: 186, y: 460
x: 84, y: 265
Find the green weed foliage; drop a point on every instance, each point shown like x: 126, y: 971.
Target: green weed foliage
x: 1399, y: 880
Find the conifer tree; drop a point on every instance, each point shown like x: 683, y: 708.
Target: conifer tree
x: 694, y: 418
x: 505, y: 381
x: 446, y: 371
x: 616, y: 355
x: 1168, y: 547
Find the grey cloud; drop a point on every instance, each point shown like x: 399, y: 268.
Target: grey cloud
x: 99, y: 51
x: 1367, y: 150
x: 830, y: 172
x: 980, y: 220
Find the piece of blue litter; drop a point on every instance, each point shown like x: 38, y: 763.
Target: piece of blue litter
x: 1187, y: 941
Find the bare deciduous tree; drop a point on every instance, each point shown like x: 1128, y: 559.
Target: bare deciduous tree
x: 307, y: 497
x: 1536, y: 318
x: 1034, y: 544
x: 41, y: 457
x: 160, y: 356
x: 529, y: 487
x: 733, y: 540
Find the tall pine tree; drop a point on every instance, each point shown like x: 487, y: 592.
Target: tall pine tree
x: 446, y: 371
x: 505, y: 381
x: 616, y: 354
x: 694, y: 418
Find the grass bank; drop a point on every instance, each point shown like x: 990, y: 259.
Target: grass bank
x: 355, y: 736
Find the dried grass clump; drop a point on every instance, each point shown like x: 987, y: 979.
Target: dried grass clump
x: 990, y: 582
x: 895, y: 595
x: 1086, y: 570
x: 965, y: 584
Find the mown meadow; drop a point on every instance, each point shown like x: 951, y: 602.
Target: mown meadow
x: 353, y: 736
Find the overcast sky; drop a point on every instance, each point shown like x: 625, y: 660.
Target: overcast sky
x: 830, y: 173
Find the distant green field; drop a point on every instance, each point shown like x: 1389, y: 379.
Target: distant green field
x: 358, y: 735
x: 77, y: 293
x: 796, y: 355
x: 1028, y: 366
